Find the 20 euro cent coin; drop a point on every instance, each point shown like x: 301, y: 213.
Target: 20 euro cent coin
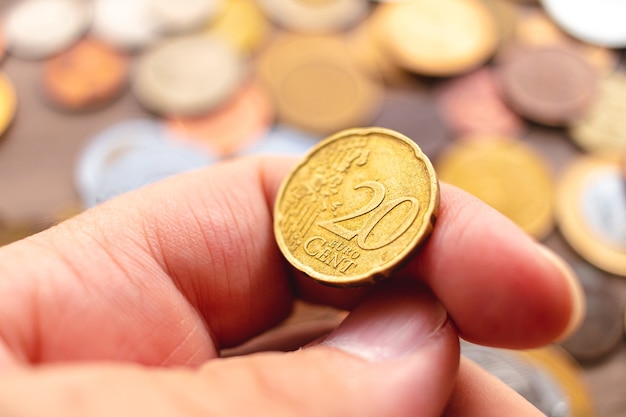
x: 357, y: 206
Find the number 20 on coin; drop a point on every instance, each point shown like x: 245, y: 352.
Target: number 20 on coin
x: 356, y: 207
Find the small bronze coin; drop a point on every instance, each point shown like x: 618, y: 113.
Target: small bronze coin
x: 602, y: 328
x: 356, y: 207
x: 315, y: 85
x: 553, y: 86
x: 89, y: 74
x: 472, y: 104
x: 412, y: 112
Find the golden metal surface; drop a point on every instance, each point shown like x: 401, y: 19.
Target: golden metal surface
x: 507, y: 175
x: 242, y: 24
x: 588, y: 211
x: 356, y: 207
x: 438, y: 38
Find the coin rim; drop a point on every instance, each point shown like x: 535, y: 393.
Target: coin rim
x: 571, y: 221
x: 384, y: 270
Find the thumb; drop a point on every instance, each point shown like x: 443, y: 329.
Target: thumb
x: 396, y: 355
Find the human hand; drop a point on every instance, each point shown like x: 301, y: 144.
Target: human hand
x: 124, y: 309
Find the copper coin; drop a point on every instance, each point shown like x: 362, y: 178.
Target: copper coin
x: 89, y: 74
x: 412, y: 112
x: 553, y: 86
x: 316, y: 86
x: 473, y: 104
x: 602, y: 328
x: 233, y: 126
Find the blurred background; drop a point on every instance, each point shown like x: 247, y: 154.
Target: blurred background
x: 521, y: 103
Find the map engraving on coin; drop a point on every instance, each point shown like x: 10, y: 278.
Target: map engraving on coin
x: 356, y: 207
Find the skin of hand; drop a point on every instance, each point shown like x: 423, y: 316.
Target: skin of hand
x: 124, y: 309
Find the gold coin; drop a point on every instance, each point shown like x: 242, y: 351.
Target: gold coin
x: 568, y: 375
x: 507, y: 175
x: 603, y: 129
x: 591, y: 211
x: 356, y: 207
x: 437, y: 38
x: 242, y: 24
x: 315, y: 86
x: 8, y: 102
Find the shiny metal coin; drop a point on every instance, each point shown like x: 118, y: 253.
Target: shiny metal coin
x: 187, y: 76
x: 176, y: 16
x: 125, y: 24
x: 36, y: 29
x: 107, y: 146
x: 599, y: 22
x: 527, y: 380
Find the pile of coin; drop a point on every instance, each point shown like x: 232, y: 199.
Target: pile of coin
x: 518, y: 102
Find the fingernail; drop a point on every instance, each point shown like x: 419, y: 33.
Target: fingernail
x: 390, y: 324
x: 576, y: 293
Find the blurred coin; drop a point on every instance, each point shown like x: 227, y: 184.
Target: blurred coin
x: 125, y: 24
x: 526, y: 378
x: 473, y: 104
x: 438, y: 38
x: 368, y: 54
x: 507, y: 175
x: 282, y: 140
x: 315, y: 16
x: 535, y: 29
x: 599, y: 22
x: 139, y: 164
x: 176, y: 16
x: 602, y: 328
x: 567, y: 374
x: 8, y: 102
x: 243, y: 24
x: 356, y: 207
x: 505, y: 16
x: 36, y: 29
x: 187, y: 76
x: 591, y: 211
x: 552, y: 86
x: 603, y: 128
x: 412, y: 112
x: 87, y: 75
x: 108, y: 145
x: 315, y: 86
x: 236, y: 125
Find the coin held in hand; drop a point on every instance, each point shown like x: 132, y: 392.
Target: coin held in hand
x: 357, y: 207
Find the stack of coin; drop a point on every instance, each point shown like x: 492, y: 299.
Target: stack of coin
x: 518, y: 102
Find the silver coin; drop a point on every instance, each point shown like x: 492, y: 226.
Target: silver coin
x: 36, y: 29
x: 107, y: 146
x: 144, y: 165
x: 602, y: 328
x: 283, y: 140
x: 125, y: 24
x: 599, y: 22
x: 529, y: 381
x: 188, y: 75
